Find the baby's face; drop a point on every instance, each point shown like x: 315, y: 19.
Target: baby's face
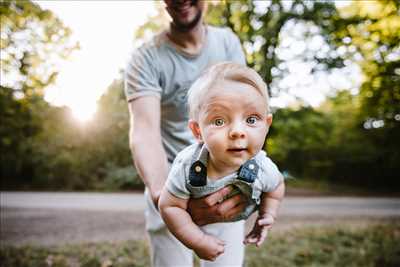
x: 233, y: 124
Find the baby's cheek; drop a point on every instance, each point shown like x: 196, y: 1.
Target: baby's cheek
x: 215, y: 133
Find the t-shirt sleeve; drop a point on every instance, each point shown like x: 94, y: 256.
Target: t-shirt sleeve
x: 176, y: 181
x: 234, y: 48
x: 271, y: 176
x: 141, y: 75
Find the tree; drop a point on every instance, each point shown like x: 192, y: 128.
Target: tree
x: 95, y: 155
x: 32, y: 43
x: 371, y: 38
x: 260, y: 26
x: 112, y: 120
x: 298, y: 142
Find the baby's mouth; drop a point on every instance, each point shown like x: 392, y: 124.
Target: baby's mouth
x: 237, y: 149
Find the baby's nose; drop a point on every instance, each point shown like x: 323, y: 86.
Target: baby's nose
x: 237, y: 131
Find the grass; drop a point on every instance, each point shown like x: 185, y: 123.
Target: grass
x: 377, y: 246
x: 373, y: 246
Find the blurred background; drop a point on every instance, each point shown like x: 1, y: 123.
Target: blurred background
x: 333, y: 69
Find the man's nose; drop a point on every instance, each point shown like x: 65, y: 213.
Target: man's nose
x: 237, y: 131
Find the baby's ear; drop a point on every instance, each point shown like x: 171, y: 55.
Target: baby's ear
x: 194, y: 126
x: 269, y: 119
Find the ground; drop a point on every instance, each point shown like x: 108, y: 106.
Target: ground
x: 59, y: 218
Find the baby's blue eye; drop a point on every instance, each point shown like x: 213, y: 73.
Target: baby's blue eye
x: 219, y: 122
x: 251, y: 120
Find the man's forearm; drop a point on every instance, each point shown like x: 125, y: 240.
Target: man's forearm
x: 146, y: 145
x: 150, y: 161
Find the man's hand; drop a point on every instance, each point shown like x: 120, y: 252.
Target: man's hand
x: 213, y: 209
x: 260, y: 230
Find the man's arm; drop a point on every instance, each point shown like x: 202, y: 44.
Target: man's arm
x: 146, y: 145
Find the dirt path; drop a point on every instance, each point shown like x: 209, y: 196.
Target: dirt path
x: 60, y: 218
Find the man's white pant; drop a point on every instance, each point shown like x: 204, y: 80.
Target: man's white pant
x: 167, y: 251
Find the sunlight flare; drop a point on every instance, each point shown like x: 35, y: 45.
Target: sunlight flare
x: 83, y: 111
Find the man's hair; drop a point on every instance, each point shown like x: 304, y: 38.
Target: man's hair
x: 227, y: 71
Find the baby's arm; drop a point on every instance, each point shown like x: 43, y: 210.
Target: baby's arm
x: 267, y: 214
x: 179, y: 222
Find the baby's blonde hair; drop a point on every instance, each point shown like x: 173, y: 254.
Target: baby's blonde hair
x: 227, y: 71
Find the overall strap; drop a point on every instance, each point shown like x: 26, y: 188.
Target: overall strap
x: 198, y: 169
x: 248, y: 171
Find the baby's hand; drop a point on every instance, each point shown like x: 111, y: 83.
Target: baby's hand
x: 260, y: 230
x: 209, y: 248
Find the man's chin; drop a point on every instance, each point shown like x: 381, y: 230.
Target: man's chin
x: 185, y: 27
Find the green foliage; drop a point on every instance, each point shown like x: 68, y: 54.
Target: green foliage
x: 331, y: 143
x: 44, y: 147
x: 297, y: 141
x: 122, y: 178
x: 372, y: 39
x: 16, y: 128
x: 373, y: 246
x: 94, y: 156
x: 33, y: 41
x: 65, y: 154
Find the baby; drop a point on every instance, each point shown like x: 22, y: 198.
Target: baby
x: 230, y: 118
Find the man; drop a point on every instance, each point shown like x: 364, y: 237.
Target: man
x: 156, y: 82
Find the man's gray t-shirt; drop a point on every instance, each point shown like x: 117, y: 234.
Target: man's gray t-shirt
x: 159, y: 69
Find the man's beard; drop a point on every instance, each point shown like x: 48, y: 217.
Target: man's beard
x: 187, y: 27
